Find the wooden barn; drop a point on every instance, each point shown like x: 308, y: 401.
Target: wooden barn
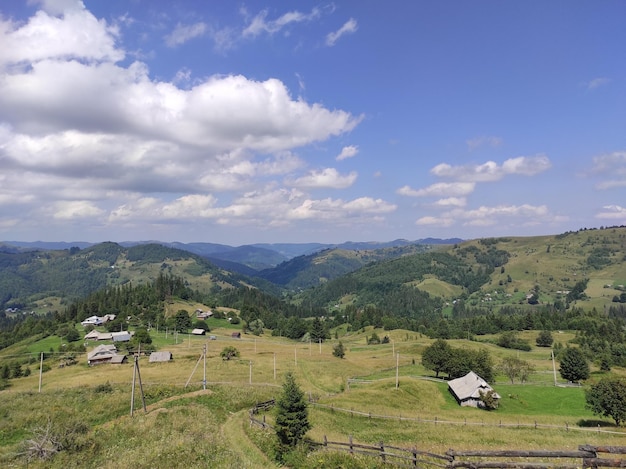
x: 467, y: 389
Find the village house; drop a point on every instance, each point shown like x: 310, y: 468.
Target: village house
x: 467, y: 390
x: 105, y: 354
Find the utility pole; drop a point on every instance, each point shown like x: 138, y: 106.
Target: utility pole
x: 397, y: 363
x: 204, y: 374
x: 274, y: 366
x: 250, y: 380
x: 553, y: 366
x: 40, y: 371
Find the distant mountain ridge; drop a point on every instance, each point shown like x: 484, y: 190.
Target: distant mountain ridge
x: 258, y: 256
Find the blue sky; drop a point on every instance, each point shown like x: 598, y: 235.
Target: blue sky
x: 282, y: 121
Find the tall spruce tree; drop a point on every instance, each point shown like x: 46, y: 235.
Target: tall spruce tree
x: 292, y: 416
x: 574, y: 366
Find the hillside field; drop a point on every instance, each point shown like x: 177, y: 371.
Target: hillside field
x: 188, y: 426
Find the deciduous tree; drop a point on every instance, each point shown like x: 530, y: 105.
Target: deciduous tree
x: 608, y: 398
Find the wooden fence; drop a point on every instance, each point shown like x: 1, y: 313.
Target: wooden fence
x: 261, y: 406
x: 437, y: 421
x: 585, y: 457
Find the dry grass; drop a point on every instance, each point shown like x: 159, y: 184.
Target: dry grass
x: 189, y: 429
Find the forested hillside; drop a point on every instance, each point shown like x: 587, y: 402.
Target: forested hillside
x: 30, y: 280
x: 315, y: 269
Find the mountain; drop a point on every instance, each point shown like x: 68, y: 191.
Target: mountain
x: 37, y: 277
x: 311, y: 270
x: 255, y: 256
x: 585, y: 267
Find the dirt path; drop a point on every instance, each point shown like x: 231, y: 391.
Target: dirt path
x: 233, y: 431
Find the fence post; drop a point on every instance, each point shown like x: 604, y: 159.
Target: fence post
x: 350, y: 442
x: 325, y: 441
x: 382, y: 451
x: 414, y: 460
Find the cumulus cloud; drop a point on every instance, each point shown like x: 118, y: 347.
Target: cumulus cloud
x: 349, y: 27
x: 491, y: 171
x: 326, y: 178
x: 185, y: 32
x: 347, y: 152
x: 87, y: 138
x: 488, y: 216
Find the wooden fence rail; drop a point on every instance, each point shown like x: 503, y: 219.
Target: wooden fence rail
x: 587, y: 456
x: 508, y: 459
x: 437, y: 421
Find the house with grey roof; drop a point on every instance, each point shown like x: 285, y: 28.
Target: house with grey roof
x: 467, y: 390
x: 105, y: 354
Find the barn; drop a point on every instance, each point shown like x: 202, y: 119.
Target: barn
x: 157, y: 357
x: 466, y: 390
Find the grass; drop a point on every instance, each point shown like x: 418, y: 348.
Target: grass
x: 190, y: 431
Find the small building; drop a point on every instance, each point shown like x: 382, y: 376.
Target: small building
x: 104, y: 354
x: 96, y: 335
x: 92, y: 321
x: 198, y: 332
x: 466, y: 390
x: 122, y: 336
x: 203, y: 314
x: 236, y: 335
x: 160, y: 357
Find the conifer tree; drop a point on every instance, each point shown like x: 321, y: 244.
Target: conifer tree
x: 292, y: 416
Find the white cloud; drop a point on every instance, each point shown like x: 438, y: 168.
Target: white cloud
x: 185, y: 32
x: 67, y: 210
x: 260, y: 24
x: 76, y: 35
x: 347, y: 152
x: 491, y: 171
x: 440, y: 189
x: 440, y: 222
x: 597, y: 83
x: 349, y: 27
x: 328, y: 177
x: 145, y: 151
x: 517, y: 215
x: 451, y: 202
x: 616, y: 213
x: 611, y: 166
x: 478, y: 142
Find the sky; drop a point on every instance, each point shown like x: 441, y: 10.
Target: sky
x: 289, y: 122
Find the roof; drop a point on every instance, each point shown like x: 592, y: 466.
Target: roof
x: 121, y: 336
x: 469, y: 387
x: 198, y: 332
x: 101, y: 352
x: 160, y: 357
x: 96, y: 335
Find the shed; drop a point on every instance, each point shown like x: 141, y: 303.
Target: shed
x: 96, y: 335
x: 104, y: 354
x: 467, y: 389
x: 156, y: 357
x: 122, y: 336
x: 236, y: 335
x: 198, y: 332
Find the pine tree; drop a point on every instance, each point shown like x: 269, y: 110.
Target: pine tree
x: 574, y: 366
x: 292, y: 416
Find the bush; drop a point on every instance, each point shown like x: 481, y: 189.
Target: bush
x: 229, y: 352
x: 338, y: 350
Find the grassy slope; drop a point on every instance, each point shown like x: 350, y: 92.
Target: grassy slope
x: 194, y: 430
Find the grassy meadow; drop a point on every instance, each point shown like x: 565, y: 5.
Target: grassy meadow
x: 186, y: 426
